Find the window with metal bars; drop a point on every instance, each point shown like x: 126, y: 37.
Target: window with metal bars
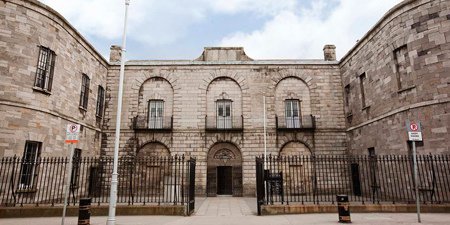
x: 224, y: 114
x: 155, y: 114
x: 292, y: 112
x: 84, y: 92
x: 45, y: 68
x: 28, y: 169
x: 76, y: 163
x: 100, y: 101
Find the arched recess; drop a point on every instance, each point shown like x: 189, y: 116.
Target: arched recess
x: 298, y: 173
x: 156, y: 92
x: 221, y: 92
x: 151, y: 173
x: 292, y: 102
x: 295, y: 148
x: 224, y: 170
x: 153, y: 149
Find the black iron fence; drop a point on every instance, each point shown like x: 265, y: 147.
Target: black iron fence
x: 366, y: 179
x: 149, y: 180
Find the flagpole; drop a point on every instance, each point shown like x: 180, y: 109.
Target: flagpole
x: 114, y: 178
x: 265, y: 136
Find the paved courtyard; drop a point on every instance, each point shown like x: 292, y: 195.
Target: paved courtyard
x: 235, y: 211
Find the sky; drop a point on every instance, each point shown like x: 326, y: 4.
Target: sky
x: 267, y: 29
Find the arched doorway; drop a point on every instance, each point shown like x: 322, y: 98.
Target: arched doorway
x: 224, y: 170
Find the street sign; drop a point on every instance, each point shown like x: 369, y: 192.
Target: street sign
x: 415, y: 134
x: 414, y: 131
x: 72, y: 133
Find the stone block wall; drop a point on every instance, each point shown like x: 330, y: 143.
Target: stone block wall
x: 245, y: 82
x: 403, y: 64
x: 29, y: 114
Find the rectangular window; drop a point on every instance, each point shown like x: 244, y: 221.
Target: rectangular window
x: 76, y: 164
x: 28, y: 169
x: 84, y: 92
x: 373, y: 167
x: 100, y: 101
x: 362, y: 79
x: 45, y: 68
x: 292, y: 109
x: 155, y: 114
x: 403, y: 68
x: 224, y: 114
x: 347, y: 95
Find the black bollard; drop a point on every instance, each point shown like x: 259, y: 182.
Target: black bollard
x: 343, y: 209
x: 84, y: 213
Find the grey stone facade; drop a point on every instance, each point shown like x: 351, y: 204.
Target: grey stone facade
x: 406, y: 62
x: 401, y: 65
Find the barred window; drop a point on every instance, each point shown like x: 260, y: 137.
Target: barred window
x: 45, y: 67
x: 100, y: 101
x: 28, y: 169
x: 84, y: 92
x: 155, y: 114
x: 292, y: 109
x: 224, y: 114
x: 76, y: 164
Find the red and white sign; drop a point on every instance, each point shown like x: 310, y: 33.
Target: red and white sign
x: 414, y: 131
x: 413, y: 126
x: 72, y: 133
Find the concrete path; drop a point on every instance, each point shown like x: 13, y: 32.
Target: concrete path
x: 237, y: 211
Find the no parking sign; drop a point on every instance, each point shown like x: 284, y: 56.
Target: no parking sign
x: 72, y: 133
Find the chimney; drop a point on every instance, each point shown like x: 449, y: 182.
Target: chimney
x: 115, y: 53
x: 329, y: 53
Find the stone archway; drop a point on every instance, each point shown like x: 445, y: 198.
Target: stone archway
x: 224, y: 170
x: 153, y: 149
x: 298, y: 172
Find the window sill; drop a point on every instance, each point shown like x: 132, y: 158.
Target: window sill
x: 406, y: 89
x: 349, y: 114
x: 82, y: 109
x: 38, y: 89
x: 365, y: 108
x: 26, y: 191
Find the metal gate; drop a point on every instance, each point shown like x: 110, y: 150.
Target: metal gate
x: 191, y: 196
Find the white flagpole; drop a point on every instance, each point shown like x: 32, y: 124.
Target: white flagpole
x: 265, y: 136
x: 114, y: 178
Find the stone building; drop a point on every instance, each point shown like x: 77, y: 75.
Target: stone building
x: 212, y: 108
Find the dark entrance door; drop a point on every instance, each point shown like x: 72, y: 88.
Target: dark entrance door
x: 224, y: 180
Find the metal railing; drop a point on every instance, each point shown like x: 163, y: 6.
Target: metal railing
x: 217, y: 123
x: 146, y: 180
x: 295, y: 123
x: 365, y: 179
x: 146, y: 123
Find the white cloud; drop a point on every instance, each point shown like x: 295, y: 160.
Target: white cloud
x: 294, y: 28
x: 303, y: 34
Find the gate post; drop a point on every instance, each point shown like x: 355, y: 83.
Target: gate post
x: 191, y: 194
x: 260, y: 192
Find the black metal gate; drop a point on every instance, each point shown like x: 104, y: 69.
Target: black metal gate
x: 191, y: 199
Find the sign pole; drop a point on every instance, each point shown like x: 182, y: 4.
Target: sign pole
x: 68, y: 179
x: 414, y: 129
x: 416, y: 186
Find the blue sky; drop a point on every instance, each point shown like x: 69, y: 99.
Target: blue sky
x: 267, y: 29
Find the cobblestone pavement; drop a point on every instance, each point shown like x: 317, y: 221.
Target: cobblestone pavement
x: 236, y: 211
